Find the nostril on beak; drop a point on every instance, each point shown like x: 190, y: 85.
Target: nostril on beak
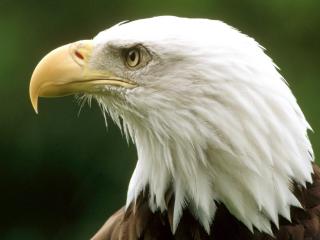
x: 80, y: 51
x: 79, y: 55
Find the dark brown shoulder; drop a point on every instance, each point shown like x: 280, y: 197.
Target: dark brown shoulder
x: 110, y: 230
x: 138, y: 222
x: 305, y: 224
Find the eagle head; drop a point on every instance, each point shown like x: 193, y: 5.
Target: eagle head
x: 211, y: 117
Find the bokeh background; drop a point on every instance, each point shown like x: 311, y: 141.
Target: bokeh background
x: 61, y: 174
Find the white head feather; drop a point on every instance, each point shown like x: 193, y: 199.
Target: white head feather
x: 212, y: 118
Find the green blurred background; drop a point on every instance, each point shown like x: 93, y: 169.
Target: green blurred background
x: 62, y: 175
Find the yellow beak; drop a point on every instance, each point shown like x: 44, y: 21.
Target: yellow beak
x: 65, y: 71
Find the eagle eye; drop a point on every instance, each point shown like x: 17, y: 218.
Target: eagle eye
x: 133, y: 57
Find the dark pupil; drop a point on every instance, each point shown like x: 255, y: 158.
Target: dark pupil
x: 132, y: 56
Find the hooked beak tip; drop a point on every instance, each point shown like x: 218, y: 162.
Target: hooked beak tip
x: 34, y: 102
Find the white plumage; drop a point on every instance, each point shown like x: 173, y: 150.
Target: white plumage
x: 212, y: 116
x: 212, y: 119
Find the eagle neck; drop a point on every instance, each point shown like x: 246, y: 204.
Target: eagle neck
x: 165, y: 164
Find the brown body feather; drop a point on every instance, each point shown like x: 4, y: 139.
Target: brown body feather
x: 139, y: 223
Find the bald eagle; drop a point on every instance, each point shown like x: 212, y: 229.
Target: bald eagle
x: 222, y: 144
